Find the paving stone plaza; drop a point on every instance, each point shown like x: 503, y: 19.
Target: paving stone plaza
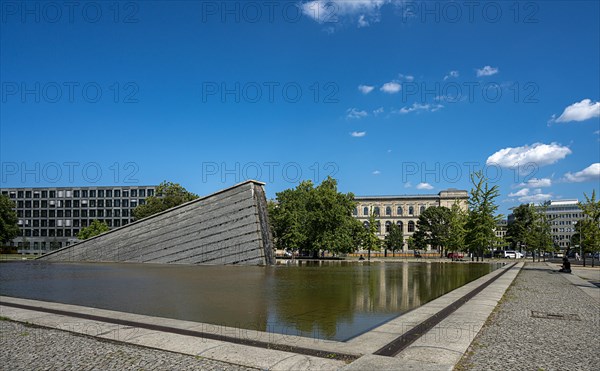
x: 36, y: 348
x: 519, y: 336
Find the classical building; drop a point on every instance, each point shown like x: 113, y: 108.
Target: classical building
x: 404, y: 210
x: 500, y: 231
x: 50, y: 218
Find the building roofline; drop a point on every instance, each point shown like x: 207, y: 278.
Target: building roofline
x: 394, y: 197
x: 78, y: 187
x: 426, y: 195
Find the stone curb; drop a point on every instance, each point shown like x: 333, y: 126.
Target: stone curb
x: 265, y: 358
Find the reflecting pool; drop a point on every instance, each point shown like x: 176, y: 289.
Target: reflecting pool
x: 332, y: 300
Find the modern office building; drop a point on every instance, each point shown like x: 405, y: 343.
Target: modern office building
x: 51, y: 218
x: 563, y: 215
x: 404, y: 210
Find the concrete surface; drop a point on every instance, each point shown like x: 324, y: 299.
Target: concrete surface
x: 437, y: 350
x: 227, y: 227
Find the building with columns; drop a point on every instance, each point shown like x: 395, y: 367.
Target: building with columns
x: 404, y: 210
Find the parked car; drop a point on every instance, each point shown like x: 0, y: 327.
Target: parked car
x: 499, y: 254
x: 512, y: 254
x: 455, y: 255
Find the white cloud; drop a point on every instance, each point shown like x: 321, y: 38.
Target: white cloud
x: 590, y: 173
x: 424, y: 186
x: 376, y: 172
x: 597, y: 132
x: 391, y: 87
x: 525, y: 157
x: 525, y: 196
x: 362, y: 22
x: 365, y: 89
x: 487, y: 71
x: 451, y: 74
x: 407, y: 185
x: 581, y: 111
x: 378, y: 111
x: 353, y: 113
x: 341, y: 11
x: 407, y: 77
x: 536, y: 183
x: 519, y: 193
x: 358, y: 134
x: 417, y: 107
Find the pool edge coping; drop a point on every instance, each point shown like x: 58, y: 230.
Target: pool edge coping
x: 329, y: 351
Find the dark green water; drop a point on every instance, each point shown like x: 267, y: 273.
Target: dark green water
x: 324, y: 300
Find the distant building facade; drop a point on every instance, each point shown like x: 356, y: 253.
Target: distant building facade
x: 51, y: 218
x: 563, y: 215
x: 404, y: 210
x: 500, y: 231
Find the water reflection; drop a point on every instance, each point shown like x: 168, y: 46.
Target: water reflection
x: 325, y: 300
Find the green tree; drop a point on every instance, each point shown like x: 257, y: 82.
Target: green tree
x: 394, y: 240
x: 371, y: 241
x: 542, y: 231
x: 330, y: 221
x: 288, y: 217
x: 589, y: 227
x: 166, y: 196
x: 9, y: 228
x: 95, y: 228
x: 310, y: 218
x: 433, y: 227
x: 416, y: 242
x: 457, y: 229
x: 531, y: 229
x: 519, y: 231
x: 482, y: 219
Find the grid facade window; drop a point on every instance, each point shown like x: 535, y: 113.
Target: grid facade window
x: 52, y: 217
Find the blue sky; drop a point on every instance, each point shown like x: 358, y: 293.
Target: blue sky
x: 389, y: 97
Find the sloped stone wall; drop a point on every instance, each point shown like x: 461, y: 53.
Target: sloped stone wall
x: 228, y: 227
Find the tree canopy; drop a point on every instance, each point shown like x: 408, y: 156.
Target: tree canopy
x: 481, y: 222
x: 456, y: 228
x: 369, y: 240
x: 531, y: 229
x: 589, y: 227
x: 394, y: 240
x: 433, y: 227
x: 9, y: 228
x: 310, y: 218
x: 166, y: 196
x: 95, y: 228
x: 519, y: 230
